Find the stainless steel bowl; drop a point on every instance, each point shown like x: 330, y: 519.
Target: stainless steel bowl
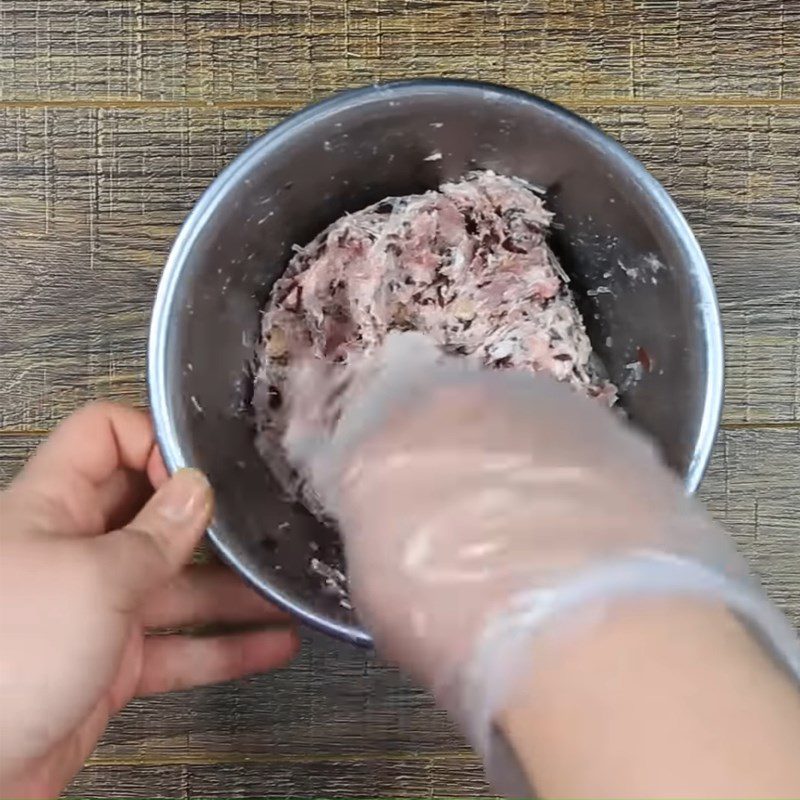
x: 618, y: 230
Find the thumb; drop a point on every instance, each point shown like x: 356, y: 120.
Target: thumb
x: 160, y: 539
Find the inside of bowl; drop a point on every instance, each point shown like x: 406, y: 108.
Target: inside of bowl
x: 615, y: 233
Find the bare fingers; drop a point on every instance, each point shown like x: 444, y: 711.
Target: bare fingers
x: 95, y: 441
x: 172, y: 663
x: 207, y: 593
x: 92, y: 471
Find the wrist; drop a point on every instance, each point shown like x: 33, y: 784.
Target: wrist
x: 656, y: 696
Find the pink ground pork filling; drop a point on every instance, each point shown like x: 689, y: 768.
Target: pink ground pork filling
x: 467, y: 265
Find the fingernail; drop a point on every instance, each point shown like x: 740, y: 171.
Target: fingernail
x: 185, y: 496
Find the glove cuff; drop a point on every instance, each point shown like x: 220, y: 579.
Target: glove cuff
x: 503, y: 651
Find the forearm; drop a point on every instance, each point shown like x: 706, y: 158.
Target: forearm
x: 669, y: 698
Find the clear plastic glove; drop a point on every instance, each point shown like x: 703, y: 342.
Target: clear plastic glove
x: 480, y: 508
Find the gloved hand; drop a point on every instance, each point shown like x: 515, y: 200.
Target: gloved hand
x: 480, y: 508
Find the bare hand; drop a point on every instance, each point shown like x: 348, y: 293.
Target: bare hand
x: 78, y: 603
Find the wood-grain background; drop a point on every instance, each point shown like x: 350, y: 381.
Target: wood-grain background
x: 115, y: 114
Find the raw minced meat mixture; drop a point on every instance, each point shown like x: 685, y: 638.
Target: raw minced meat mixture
x: 468, y: 265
